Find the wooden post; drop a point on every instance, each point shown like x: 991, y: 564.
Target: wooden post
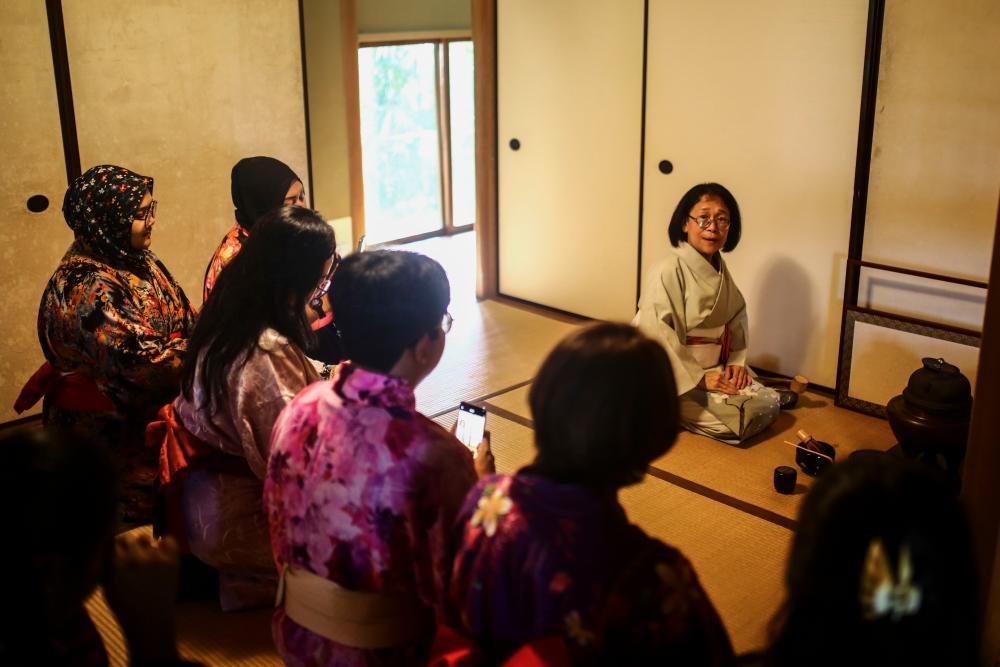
x: 484, y: 38
x: 352, y: 107
x: 981, y: 477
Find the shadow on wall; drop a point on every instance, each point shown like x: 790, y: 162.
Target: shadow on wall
x: 946, y: 304
x: 781, y: 317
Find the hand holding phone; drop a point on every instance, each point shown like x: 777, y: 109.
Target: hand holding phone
x: 471, y: 425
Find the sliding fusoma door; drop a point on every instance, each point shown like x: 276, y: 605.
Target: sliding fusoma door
x: 761, y: 96
x: 569, y: 119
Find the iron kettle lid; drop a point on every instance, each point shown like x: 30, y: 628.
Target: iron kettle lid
x: 938, y: 386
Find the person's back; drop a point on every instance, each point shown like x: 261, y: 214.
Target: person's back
x: 246, y: 362
x: 550, y: 552
x: 880, y: 572
x: 362, y: 489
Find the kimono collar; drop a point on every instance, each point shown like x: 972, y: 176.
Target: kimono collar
x: 99, y: 206
x: 698, y: 264
x: 375, y: 389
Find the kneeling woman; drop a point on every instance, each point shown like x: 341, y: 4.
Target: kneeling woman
x: 246, y: 362
x: 691, y: 305
x: 113, y: 324
x: 549, y: 552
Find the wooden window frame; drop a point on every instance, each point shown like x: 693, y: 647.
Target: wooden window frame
x: 442, y: 97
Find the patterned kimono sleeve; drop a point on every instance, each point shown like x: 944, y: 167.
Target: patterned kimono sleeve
x: 657, y: 609
x: 138, y: 364
x: 451, y: 475
x: 259, y: 391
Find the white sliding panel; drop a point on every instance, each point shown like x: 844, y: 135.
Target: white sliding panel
x: 180, y: 90
x: 764, y: 98
x: 31, y: 147
x: 569, y: 89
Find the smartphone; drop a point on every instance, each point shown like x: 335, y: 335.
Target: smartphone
x: 362, y: 243
x: 471, y: 425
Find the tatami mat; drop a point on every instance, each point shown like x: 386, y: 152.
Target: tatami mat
x: 738, y: 557
x: 204, y: 633
x: 746, y: 472
x: 491, y: 347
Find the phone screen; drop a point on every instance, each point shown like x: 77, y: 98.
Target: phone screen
x: 471, y: 425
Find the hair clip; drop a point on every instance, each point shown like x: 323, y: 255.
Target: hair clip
x: 884, y: 593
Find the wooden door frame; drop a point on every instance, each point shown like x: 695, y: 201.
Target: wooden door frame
x: 484, y: 40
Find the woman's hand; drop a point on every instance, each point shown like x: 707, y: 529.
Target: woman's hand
x: 738, y: 376
x: 484, y: 462
x: 718, y: 381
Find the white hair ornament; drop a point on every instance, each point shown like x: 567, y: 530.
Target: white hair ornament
x: 884, y: 593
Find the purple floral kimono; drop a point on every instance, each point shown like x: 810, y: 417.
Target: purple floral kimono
x: 363, y: 490
x: 539, y: 559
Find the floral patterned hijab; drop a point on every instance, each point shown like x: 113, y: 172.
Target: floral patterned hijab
x: 99, y: 206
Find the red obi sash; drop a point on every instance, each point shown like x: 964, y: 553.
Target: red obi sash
x: 69, y: 391
x: 180, y: 452
x: 450, y: 649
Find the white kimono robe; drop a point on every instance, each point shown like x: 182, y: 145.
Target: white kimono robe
x: 685, y: 298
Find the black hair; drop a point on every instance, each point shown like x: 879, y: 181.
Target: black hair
x: 604, y: 405
x: 265, y: 286
x: 676, y: 228
x: 901, y: 503
x: 58, y: 504
x: 384, y: 301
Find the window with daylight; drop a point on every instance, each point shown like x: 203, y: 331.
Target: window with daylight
x: 417, y: 138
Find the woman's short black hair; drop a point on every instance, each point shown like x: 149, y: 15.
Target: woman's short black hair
x: 901, y: 504
x: 384, y: 301
x: 676, y: 228
x: 604, y: 405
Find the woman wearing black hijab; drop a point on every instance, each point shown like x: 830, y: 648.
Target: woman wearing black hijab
x: 260, y: 184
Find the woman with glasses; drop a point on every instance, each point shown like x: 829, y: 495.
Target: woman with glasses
x: 113, y: 325
x: 259, y: 184
x: 246, y: 360
x: 691, y: 305
x: 361, y: 489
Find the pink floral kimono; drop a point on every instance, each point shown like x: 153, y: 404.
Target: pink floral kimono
x: 363, y: 490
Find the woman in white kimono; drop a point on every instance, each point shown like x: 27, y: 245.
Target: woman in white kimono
x: 692, y: 306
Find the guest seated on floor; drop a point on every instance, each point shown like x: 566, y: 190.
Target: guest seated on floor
x: 691, y: 305
x: 58, y: 505
x: 259, y: 186
x: 247, y: 359
x: 361, y: 489
x: 113, y: 324
x: 880, y: 572
x: 549, y: 551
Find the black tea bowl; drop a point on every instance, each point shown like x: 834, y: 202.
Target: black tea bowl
x: 812, y: 463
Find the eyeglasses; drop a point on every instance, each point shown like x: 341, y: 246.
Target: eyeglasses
x: 146, y: 213
x: 704, y: 222
x: 324, y: 285
x: 446, y: 321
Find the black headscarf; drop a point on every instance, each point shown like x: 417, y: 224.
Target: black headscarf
x: 259, y: 185
x: 99, y: 207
